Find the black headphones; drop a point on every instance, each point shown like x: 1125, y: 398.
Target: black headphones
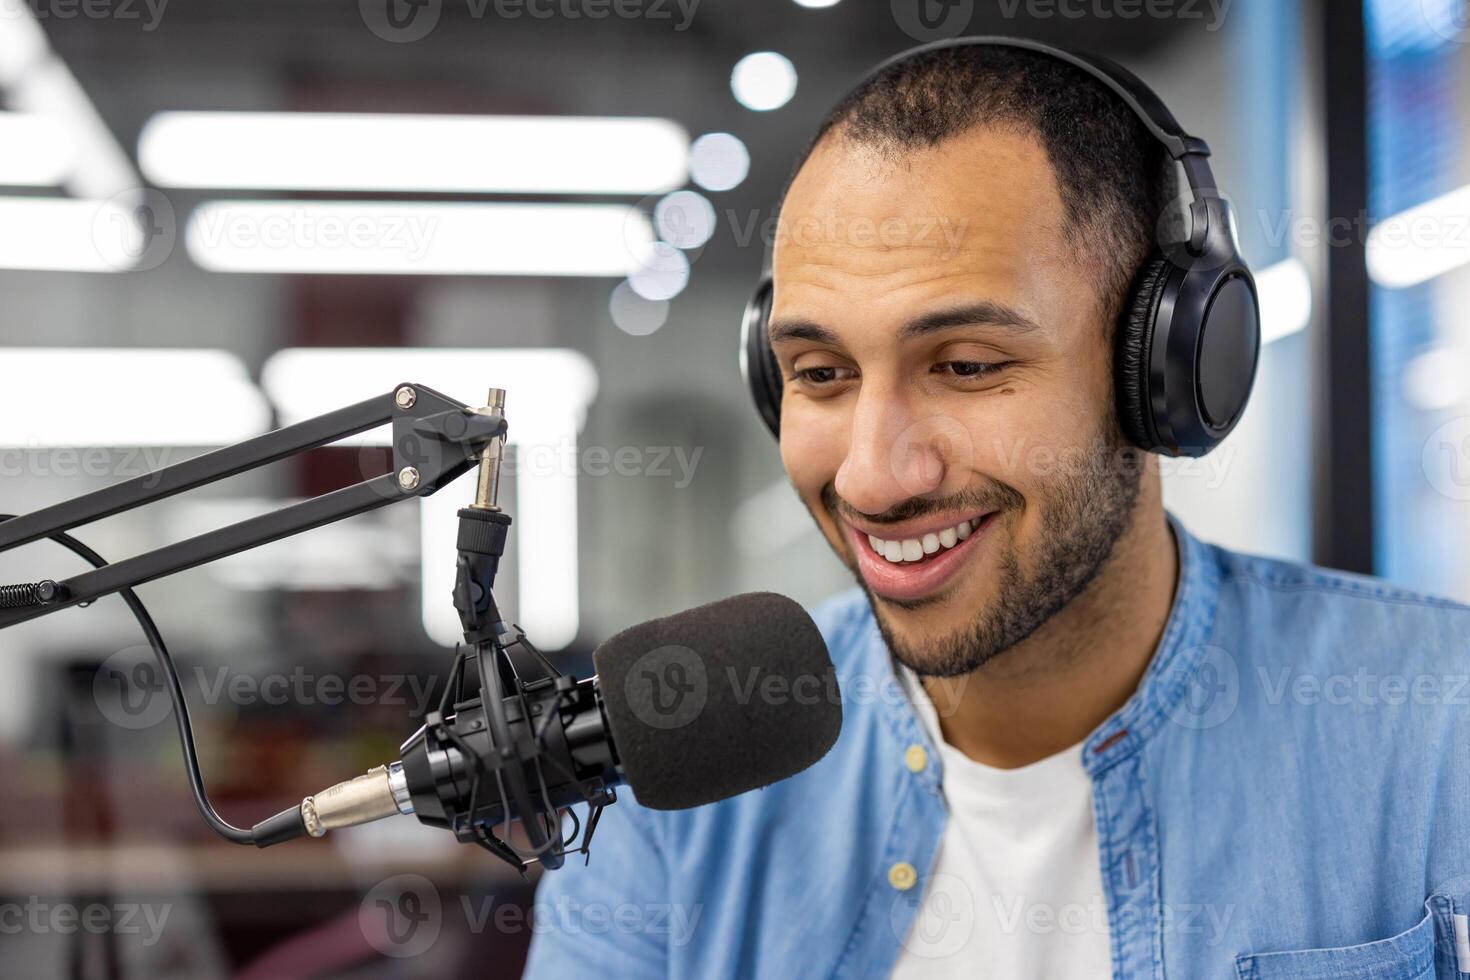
x: 1189, y: 337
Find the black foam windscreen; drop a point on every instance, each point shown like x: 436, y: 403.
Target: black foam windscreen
x: 718, y: 700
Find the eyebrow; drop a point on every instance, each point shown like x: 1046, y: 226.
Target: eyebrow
x: 983, y: 313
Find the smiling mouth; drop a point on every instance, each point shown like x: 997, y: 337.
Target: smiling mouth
x: 919, y: 568
x: 913, y: 550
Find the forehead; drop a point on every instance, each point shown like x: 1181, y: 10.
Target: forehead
x: 979, y: 212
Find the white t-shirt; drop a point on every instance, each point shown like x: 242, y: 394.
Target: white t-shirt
x: 1016, y: 891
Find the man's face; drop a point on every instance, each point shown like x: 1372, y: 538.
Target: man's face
x: 947, y: 413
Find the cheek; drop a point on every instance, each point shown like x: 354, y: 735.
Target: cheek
x: 1011, y: 434
x: 1026, y: 439
x: 811, y: 449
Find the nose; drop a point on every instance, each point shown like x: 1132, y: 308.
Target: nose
x: 891, y: 455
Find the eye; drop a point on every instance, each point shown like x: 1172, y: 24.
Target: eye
x: 826, y: 375
x: 970, y: 369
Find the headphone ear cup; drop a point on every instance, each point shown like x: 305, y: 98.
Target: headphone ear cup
x: 1131, y: 356
x: 757, y: 361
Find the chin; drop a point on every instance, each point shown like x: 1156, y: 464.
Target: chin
x: 932, y: 640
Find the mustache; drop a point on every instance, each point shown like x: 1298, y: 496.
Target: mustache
x: 990, y: 497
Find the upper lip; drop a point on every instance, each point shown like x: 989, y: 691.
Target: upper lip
x: 914, y: 529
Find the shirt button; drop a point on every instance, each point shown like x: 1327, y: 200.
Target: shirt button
x: 916, y: 758
x: 902, y: 876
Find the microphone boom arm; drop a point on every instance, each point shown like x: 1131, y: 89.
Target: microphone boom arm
x: 471, y: 736
x: 435, y: 439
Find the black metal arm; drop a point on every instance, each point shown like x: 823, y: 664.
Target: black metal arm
x: 435, y: 439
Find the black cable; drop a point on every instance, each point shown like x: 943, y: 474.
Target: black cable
x: 216, y: 823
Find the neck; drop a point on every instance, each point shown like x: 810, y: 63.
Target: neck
x: 1053, y: 689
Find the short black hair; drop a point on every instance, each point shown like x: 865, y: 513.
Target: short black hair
x: 1116, y: 180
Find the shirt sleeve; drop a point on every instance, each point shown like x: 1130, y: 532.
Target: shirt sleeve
x: 609, y: 917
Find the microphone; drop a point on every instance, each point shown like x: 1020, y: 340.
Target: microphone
x: 685, y: 710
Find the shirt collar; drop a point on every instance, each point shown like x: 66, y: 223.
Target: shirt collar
x: 1161, y: 695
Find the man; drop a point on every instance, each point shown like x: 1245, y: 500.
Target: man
x: 1077, y: 742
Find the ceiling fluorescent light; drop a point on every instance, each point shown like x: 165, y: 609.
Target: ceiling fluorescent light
x: 38, y: 83
x: 414, y: 153
x: 23, y: 46
x: 38, y: 150
x: 53, y: 234
x: 121, y: 397
x: 303, y: 382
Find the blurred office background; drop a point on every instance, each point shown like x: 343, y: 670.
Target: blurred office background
x: 202, y: 236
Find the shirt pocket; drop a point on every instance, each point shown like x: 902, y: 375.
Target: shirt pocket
x: 1407, y: 956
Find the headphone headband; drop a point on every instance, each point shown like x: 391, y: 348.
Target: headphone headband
x: 1146, y: 105
x: 1189, y: 338
x: 1208, y: 215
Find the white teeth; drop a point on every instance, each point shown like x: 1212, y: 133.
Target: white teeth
x: 912, y: 549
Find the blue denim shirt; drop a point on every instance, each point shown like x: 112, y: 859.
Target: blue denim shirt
x: 1286, y: 795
